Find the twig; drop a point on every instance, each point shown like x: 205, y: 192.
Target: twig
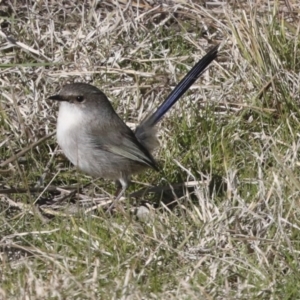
x: 22, y: 152
x: 36, y: 190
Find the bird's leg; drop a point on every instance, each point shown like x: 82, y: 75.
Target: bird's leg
x: 119, y: 188
x: 121, y: 185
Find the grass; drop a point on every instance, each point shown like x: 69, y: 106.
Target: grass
x: 232, y: 141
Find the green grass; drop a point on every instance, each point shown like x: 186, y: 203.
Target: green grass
x: 233, y: 139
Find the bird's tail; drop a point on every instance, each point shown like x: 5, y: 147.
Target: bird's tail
x: 146, y: 132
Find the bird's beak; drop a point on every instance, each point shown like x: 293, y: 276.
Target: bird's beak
x: 57, y: 98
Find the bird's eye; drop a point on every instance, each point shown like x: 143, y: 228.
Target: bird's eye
x: 79, y: 98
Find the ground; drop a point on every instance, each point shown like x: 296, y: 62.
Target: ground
x: 220, y: 220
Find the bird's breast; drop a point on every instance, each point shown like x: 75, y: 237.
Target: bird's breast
x: 71, y: 131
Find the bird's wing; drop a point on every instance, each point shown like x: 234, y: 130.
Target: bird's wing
x: 120, y: 140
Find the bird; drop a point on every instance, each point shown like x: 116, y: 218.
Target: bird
x: 97, y: 141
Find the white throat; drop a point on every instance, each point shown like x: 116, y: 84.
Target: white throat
x: 69, y: 117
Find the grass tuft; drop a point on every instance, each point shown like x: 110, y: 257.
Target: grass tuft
x: 221, y: 218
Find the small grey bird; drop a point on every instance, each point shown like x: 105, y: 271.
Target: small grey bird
x: 99, y: 143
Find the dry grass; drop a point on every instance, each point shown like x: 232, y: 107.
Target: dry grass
x: 233, y: 142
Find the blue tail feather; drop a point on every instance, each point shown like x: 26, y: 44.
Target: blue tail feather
x: 180, y: 89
